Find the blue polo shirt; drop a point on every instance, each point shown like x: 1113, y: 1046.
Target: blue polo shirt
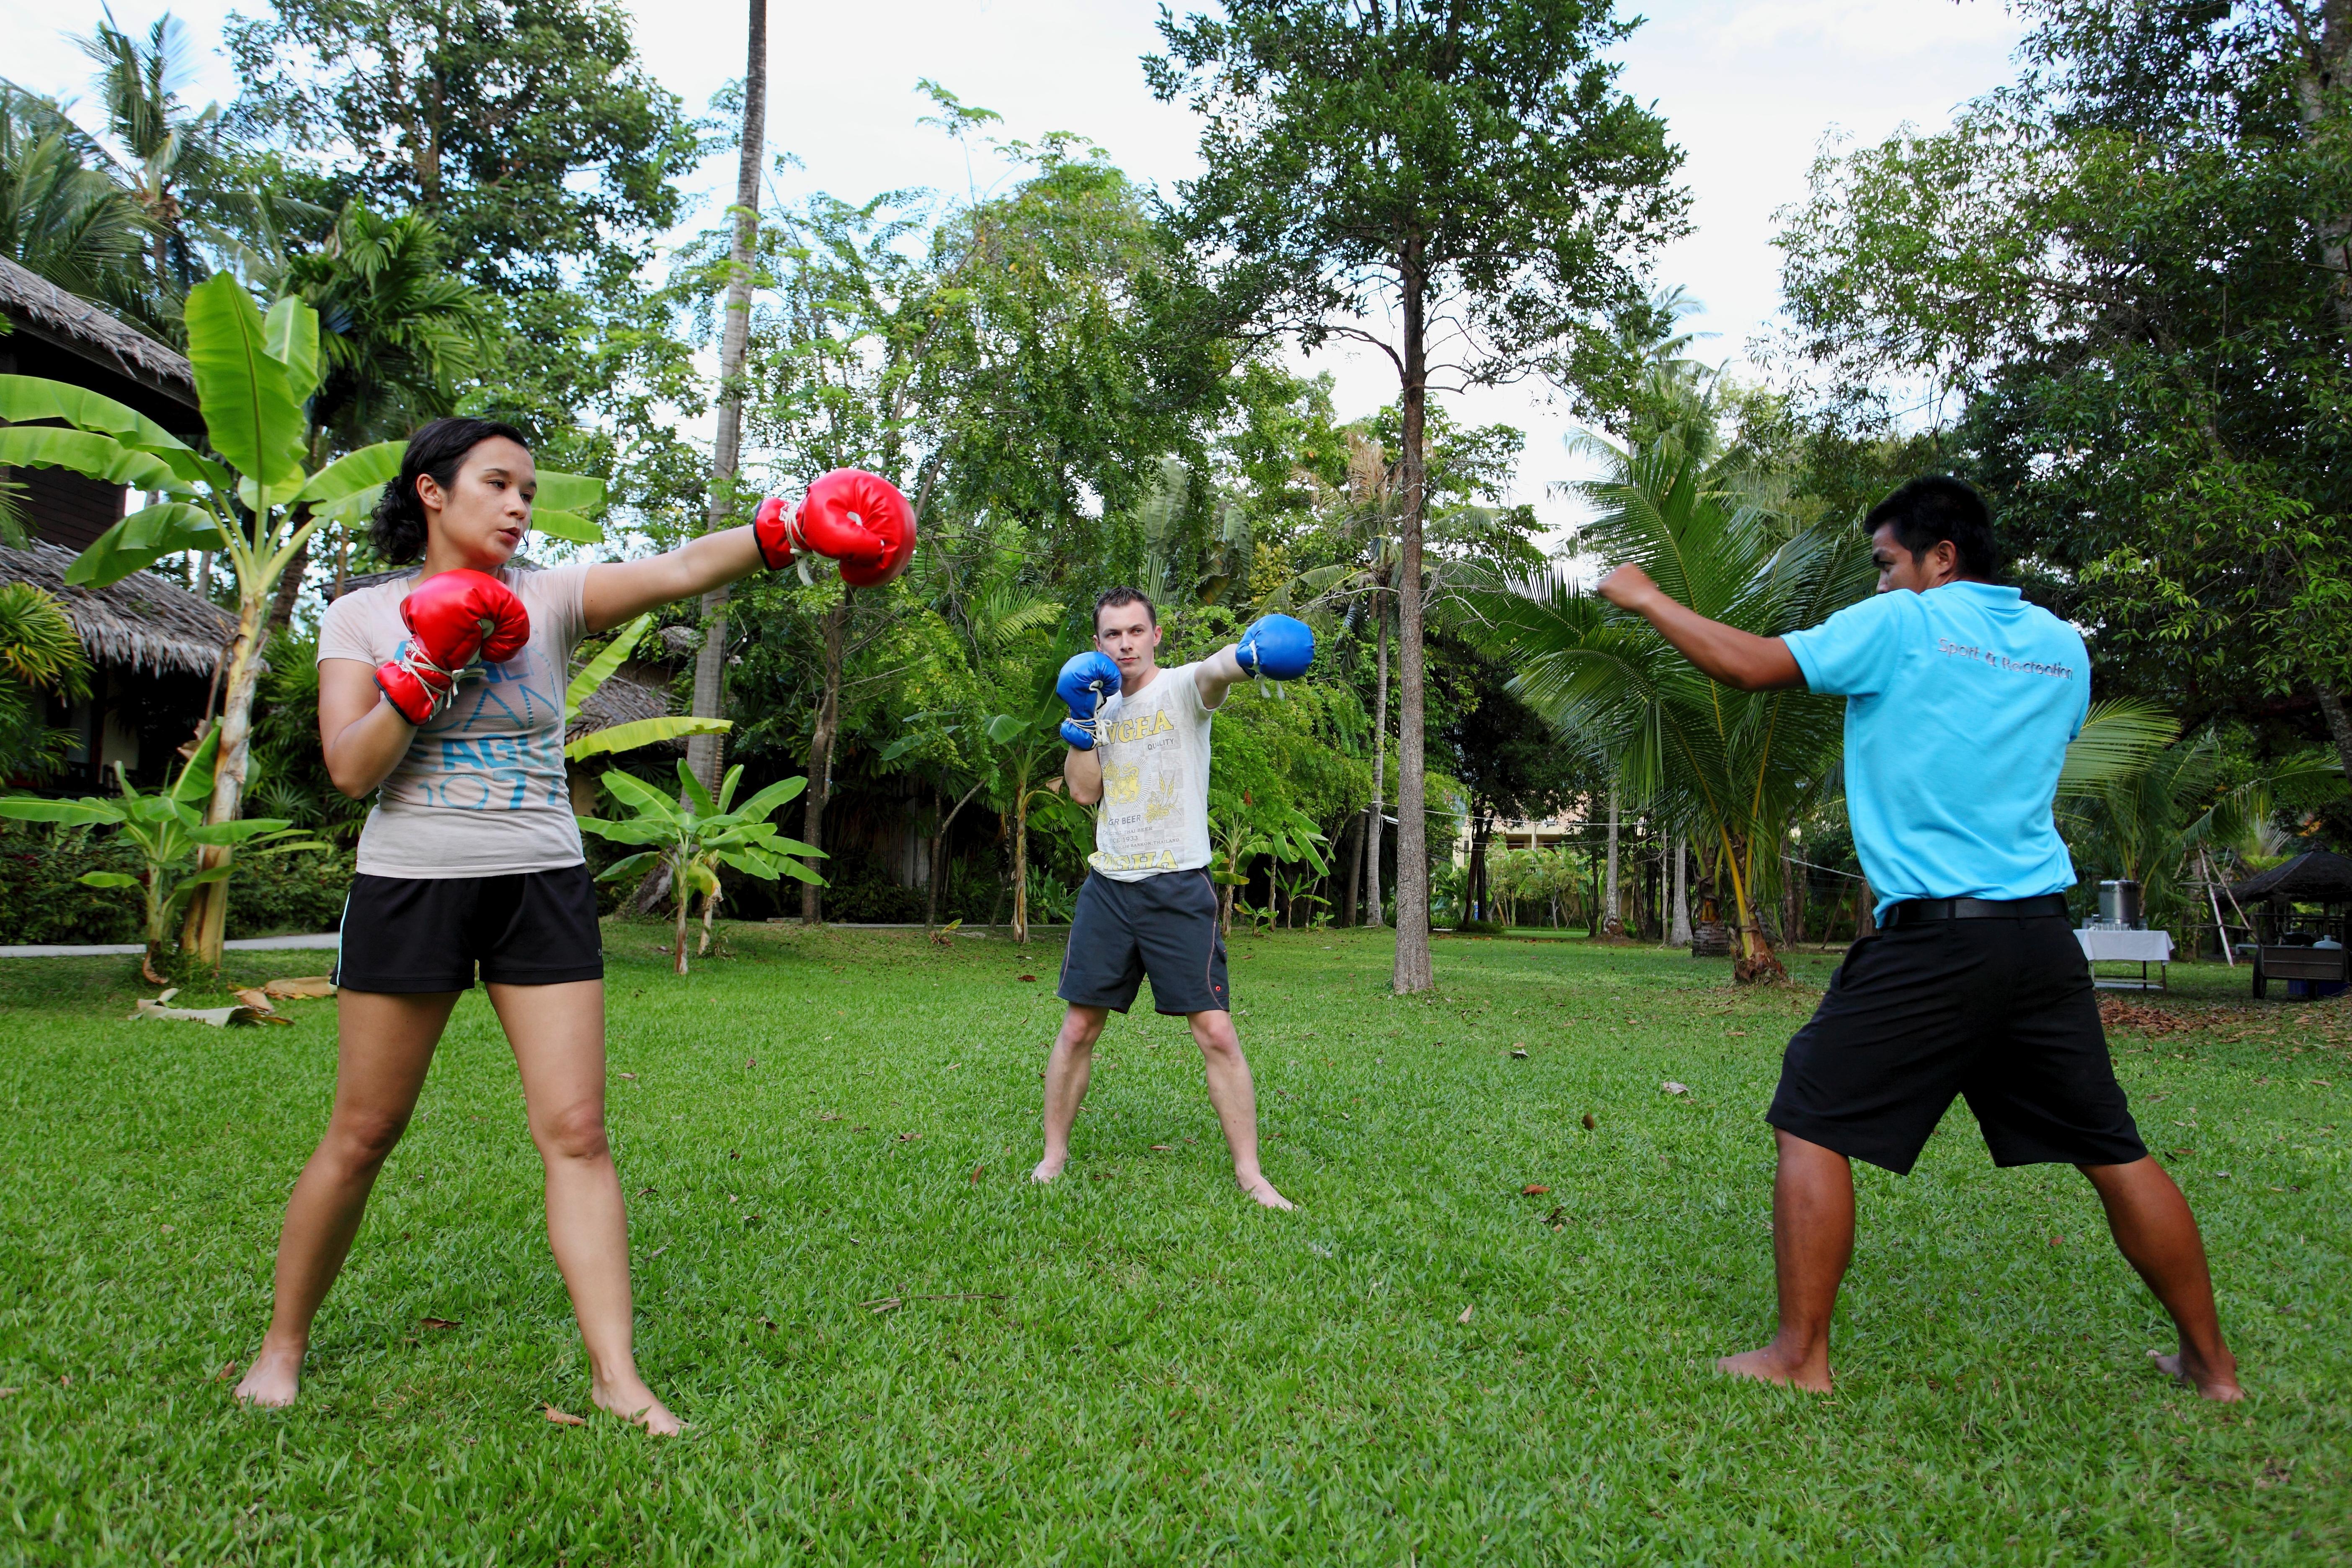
x: 1959, y: 704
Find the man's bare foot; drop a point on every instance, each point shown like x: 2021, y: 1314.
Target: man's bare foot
x: 1769, y: 1366
x: 2184, y: 1367
x: 1046, y: 1170
x: 273, y: 1379
x: 1261, y: 1190
x: 635, y: 1403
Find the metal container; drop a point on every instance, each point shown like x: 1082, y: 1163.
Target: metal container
x: 2119, y: 905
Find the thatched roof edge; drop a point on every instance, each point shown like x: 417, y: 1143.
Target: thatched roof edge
x: 56, y: 313
x: 2320, y: 876
x: 143, y: 622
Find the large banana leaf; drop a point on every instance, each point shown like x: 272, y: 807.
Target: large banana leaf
x: 28, y: 399
x: 140, y: 540
x: 251, y: 412
x: 360, y: 474
x: 570, y: 492
x: 644, y: 732
x: 291, y: 333
x: 85, y: 452
x: 80, y: 813
x: 598, y: 671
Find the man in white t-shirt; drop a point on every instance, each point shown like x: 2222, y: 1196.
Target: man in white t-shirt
x: 1139, y: 748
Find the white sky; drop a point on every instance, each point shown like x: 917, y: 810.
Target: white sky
x: 1749, y: 88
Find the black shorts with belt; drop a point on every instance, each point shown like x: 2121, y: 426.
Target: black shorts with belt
x: 1163, y: 926
x: 413, y: 934
x: 1999, y: 1011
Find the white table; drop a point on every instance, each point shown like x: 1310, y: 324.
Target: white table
x: 2103, y: 944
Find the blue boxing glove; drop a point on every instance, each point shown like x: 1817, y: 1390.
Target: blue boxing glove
x: 1084, y: 682
x: 1278, y: 647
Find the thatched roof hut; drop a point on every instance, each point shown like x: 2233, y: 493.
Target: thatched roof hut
x: 41, y: 309
x: 142, y: 623
x: 2317, y: 878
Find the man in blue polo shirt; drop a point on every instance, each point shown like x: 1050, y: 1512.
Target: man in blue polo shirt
x: 1961, y: 701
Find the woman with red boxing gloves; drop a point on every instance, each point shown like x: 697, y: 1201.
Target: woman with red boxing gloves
x: 443, y: 695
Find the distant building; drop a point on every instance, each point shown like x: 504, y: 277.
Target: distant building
x: 157, y: 647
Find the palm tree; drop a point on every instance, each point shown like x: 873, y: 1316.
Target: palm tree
x: 1736, y: 768
x: 40, y: 656
x: 152, y: 146
x: 59, y: 218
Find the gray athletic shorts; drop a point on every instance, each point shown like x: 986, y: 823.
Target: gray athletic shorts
x: 1164, y: 926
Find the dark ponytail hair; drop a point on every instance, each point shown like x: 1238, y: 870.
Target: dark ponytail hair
x: 438, y: 448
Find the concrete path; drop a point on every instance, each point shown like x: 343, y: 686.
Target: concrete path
x: 131, y: 949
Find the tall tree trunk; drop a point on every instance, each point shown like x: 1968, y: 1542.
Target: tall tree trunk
x: 2339, y: 726
x: 207, y: 919
x: 1475, y: 898
x: 1680, y: 935
x: 2323, y: 70
x: 1413, y: 972
x: 706, y: 754
x: 1612, y: 913
x: 820, y: 774
x: 1020, y: 864
x: 1374, y: 910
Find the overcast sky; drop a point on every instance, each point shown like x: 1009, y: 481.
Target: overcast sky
x: 1749, y: 88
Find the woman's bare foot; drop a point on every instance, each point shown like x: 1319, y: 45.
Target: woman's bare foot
x: 1769, y: 1364
x: 274, y: 1378
x: 633, y: 1402
x: 2220, y: 1383
x: 1262, y: 1192
x: 1046, y: 1170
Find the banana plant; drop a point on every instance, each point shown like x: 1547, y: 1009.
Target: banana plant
x: 1242, y: 828
x: 638, y: 731
x: 695, y: 835
x: 169, y: 832
x: 247, y: 496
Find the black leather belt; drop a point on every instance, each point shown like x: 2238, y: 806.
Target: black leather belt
x: 1919, y: 911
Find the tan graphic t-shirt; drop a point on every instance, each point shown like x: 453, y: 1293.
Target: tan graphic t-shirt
x: 1155, y: 761
x: 480, y: 792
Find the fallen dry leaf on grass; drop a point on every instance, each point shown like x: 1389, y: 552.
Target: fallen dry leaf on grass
x: 908, y: 1137
x: 1519, y: 1051
x: 1671, y: 1087
x: 564, y: 1418
x: 1557, y: 1218
x: 1162, y: 1148
x: 2116, y: 1013
x: 254, y: 998
x: 975, y: 1177
x: 218, y: 1017
x: 1589, y: 1123
x: 437, y: 1322
x: 227, y: 1371
x: 1465, y: 1313
x: 1024, y: 977
x: 630, y: 1076
x: 300, y: 986
x: 1533, y: 1191
x: 828, y: 1116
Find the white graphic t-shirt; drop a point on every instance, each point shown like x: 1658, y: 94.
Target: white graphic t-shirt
x: 1154, y: 747
x: 480, y: 792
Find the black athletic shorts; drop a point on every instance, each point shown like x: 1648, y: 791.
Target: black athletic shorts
x: 407, y: 934
x: 1164, y: 926
x: 1999, y: 1011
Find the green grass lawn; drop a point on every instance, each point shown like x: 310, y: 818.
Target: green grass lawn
x: 1422, y: 1364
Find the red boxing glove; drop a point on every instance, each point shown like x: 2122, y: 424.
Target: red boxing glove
x: 452, y: 617
x: 855, y: 518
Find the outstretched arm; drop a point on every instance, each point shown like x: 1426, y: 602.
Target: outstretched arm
x: 622, y: 590
x: 1738, y: 658
x: 1218, y: 674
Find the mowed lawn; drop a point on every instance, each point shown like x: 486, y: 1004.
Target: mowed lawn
x: 1424, y: 1364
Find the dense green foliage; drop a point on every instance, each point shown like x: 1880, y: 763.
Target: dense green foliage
x: 1150, y: 1368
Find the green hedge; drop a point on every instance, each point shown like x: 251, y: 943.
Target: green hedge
x: 41, y: 900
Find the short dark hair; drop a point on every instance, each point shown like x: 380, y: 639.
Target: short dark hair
x: 1933, y: 508
x: 1112, y: 598
x: 439, y: 449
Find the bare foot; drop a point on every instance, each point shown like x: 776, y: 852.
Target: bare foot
x: 273, y: 1379
x: 1261, y: 1190
x: 635, y: 1403
x: 1046, y: 1170
x: 1769, y: 1365
x: 2184, y: 1367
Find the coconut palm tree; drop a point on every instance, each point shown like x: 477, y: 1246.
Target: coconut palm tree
x: 165, y: 156
x: 60, y: 218
x: 1736, y: 767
